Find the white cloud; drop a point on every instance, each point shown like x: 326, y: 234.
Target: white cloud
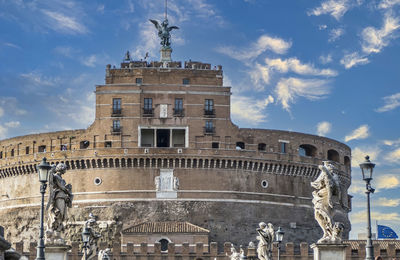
x: 3, y: 132
x: 295, y: 65
x: 391, y: 102
x: 259, y: 75
x: 10, y: 106
x: 358, y: 155
x: 1, y: 111
x: 385, y: 4
x: 353, y: 59
x: 64, y: 23
x: 391, y: 142
x: 360, y: 133
x: 336, y: 8
x: 394, y: 156
x: 38, y: 79
x: 374, y: 40
x: 387, y: 181
x: 90, y: 61
x: 361, y: 217
x: 288, y: 89
x: 12, y: 45
x: 322, y: 27
x: 325, y: 59
x: 357, y: 186
x: 149, y: 41
x: 323, y: 128
x: 385, y: 202
x: 335, y: 34
x: 249, y: 110
x: 100, y: 8
x: 264, y: 43
x: 12, y: 124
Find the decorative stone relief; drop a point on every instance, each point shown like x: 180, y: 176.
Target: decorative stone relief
x: 166, y: 184
x: 163, y: 111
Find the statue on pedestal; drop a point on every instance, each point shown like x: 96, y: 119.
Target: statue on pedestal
x: 327, y: 185
x: 235, y: 255
x: 266, y: 238
x: 60, y: 199
x: 92, y: 247
x: 164, y: 32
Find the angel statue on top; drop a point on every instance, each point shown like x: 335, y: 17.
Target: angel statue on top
x: 266, y: 238
x: 326, y: 187
x: 60, y: 199
x: 164, y: 32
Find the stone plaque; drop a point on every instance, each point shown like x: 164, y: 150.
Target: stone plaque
x: 163, y: 111
x: 166, y: 184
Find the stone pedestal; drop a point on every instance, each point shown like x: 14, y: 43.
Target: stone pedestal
x: 165, y: 54
x: 329, y: 251
x: 57, y: 252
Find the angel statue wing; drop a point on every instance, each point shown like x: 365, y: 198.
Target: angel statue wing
x: 156, y: 24
x: 172, y: 27
x: 51, y: 184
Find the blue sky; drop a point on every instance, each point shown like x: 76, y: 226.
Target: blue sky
x: 326, y: 67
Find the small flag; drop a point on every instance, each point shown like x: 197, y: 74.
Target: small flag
x: 386, y: 232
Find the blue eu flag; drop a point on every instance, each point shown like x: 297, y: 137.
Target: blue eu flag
x: 386, y: 232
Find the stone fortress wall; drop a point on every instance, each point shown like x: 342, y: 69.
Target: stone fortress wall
x: 230, y: 178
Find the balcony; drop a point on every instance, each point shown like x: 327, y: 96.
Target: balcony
x: 116, y: 112
x: 209, y: 112
x: 148, y: 112
x: 179, y: 112
x: 116, y: 130
x: 209, y: 130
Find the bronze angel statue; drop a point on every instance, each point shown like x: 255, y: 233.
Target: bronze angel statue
x: 60, y: 198
x: 164, y: 32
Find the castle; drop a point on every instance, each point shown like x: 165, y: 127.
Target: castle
x: 163, y: 149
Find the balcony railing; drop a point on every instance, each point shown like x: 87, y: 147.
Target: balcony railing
x: 178, y: 112
x: 116, y: 130
x: 209, y: 130
x: 148, y: 112
x: 209, y: 112
x: 116, y: 112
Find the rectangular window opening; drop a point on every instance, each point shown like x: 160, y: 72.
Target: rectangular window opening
x: 209, y: 107
x: 147, y: 137
x: 178, y: 109
x: 148, y: 107
x: 107, y: 144
x: 283, y: 147
x: 215, y: 145
x: 186, y: 81
x: 178, y: 137
x: 27, y: 150
x: 139, y: 81
x: 116, y: 106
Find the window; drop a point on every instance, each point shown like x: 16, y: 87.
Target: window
x: 209, y: 128
x: 240, y: 146
x: 186, y: 81
x: 148, y: 107
x: 333, y: 155
x: 347, y: 162
x: 12, y: 152
x: 215, y: 145
x: 63, y: 147
x: 42, y: 149
x: 147, y: 138
x: 178, y: 109
x: 116, y: 106
x: 283, y: 147
x: 139, y: 81
x: 116, y: 126
x: 307, y: 150
x: 164, y: 244
x: 209, y: 107
x: 262, y: 147
x: 107, y: 144
x: 1, y: 155
x: 84, y: 144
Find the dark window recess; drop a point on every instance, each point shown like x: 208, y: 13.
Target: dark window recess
x: 12, y: 152
x: 63, y: 147
x: 215, y: 145
x: 209, y: 107
x: 240, y: 146
x: 307, y: 150
x: 283, y: 147
x: 186, y: 81
x: 209, y: 128
x: 116, y: 128
x: 262, y: 147
x: 84, y: 144
x: 1, y: 155
x: 178, y: 109
x: 148, y: 107
x: 164, y: 244
x: 27, y: 150
x: 333, y: 155
x: 163, y: 137
x: 139, y: 80
x: 107, y: 144
x: 116, y: 107
x: 42, y: 149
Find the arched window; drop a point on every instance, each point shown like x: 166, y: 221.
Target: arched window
x: 240, y: 146
x: 307, y: 150
x: 333, y: 155
x: 347, y: 162
x: 262, y: 147
x: 164, y: 244
x: 84, y: 144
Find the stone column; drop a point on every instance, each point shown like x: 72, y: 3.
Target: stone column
x: 329, y: 251
x: 57, y: 252
x: 165, y: 55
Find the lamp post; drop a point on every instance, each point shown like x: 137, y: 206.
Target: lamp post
x: 367, y: 168
x: 85, y: 239
x: 279, y: 237
x: 43, y: 172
